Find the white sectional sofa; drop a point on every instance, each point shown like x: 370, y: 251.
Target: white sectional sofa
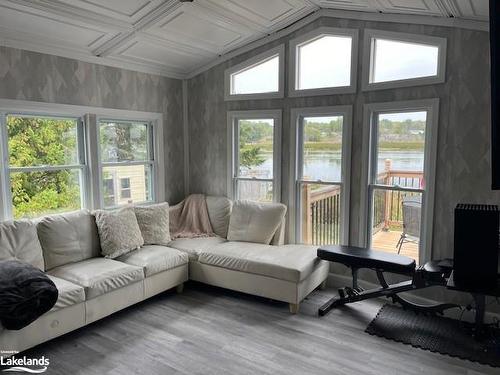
x: 92, y: 287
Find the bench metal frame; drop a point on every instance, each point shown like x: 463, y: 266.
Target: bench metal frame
x: 418, y: 281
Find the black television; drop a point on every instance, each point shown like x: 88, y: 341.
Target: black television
x: 495, y: 92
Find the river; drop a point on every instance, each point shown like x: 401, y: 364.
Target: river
x: 327, y: 165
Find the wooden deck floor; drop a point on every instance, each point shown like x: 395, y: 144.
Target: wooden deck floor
x: 387, y: 240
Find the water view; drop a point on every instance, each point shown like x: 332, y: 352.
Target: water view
x: 327, y: 165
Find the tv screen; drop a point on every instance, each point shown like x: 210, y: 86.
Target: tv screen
x: 495, y: 92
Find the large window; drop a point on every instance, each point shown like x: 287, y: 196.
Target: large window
x: 254, y: 163
x: 127, y: 161
x: 323, y: 62
x: 321, y: 178
x: 45, y: 166
x: 401, y: 177
x: 395, y: 60
x: 260, y: 77
x: 58, y: 158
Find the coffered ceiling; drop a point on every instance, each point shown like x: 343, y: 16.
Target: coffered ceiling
x: 174, y: 38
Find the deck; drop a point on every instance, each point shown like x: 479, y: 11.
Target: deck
x: 387, y: 240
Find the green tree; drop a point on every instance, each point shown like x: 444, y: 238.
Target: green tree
x: 123, y: 141
x: 40, y: 142
x: 252, y: 134
x: 250, y: 157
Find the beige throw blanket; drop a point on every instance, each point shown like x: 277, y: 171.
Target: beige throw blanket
x: 189, y: 218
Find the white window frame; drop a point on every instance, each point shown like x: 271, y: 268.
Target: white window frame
x: 233, y: 148
x: 369, y: 164
x: 250, y: 63
x: 369, y: 59
x: 7, y: 169
x: 296, y: 133
x: 151, y: 161
x: 92, y: 191
x: 309, y: 37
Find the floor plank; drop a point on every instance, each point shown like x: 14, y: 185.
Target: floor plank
x: 208, y: 330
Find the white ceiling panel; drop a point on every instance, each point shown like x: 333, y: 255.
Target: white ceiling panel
x: 189, y: 26
x: 472, y: 9
x: 176, y: 39
x: 125, y: 10
x: 359, y: 5
x: 265, y: 10
x: 263, y: 15
x: 163, y: 55
x: 422, y: 7
x: 47, y: 27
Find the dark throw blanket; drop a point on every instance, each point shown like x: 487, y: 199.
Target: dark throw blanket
x: 25, y: 294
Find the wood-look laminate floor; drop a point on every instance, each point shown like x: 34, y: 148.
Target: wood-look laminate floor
x: 208, y: 330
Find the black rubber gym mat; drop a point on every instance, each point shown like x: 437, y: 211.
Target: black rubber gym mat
x: 436, y: 334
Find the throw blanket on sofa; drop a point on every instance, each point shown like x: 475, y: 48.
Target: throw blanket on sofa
x: 189, y: 219
x: 25, y: 294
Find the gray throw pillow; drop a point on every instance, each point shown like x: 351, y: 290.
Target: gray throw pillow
x: 154, y: 223
x: 119, y: 231
x: 255, y: 222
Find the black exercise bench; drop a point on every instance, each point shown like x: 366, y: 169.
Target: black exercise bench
x: 431, y: 274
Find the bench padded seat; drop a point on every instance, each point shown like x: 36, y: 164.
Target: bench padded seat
x: 155, y: 259
x: 99, y: 275
x: 359, y: 257
x: 289, y: 262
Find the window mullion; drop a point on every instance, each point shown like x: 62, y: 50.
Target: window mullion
x: 397, y: 188
x: 5, y: 193
x: 46, y: 168
x: 320, y: 182
x: 253, y: 179
x: 126, y: 163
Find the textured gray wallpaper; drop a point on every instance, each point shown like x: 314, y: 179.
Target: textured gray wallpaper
x: 463, y: 168
x: 38, y: 77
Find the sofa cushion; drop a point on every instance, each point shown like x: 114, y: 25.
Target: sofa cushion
x: 155, y: 259
x: 99, y: 275
x: 119, y: 231
x: 194, y: 246
x: 219, y: 212
x: 68, y: 238
x: 153, y: 221
x: 69, y: 293
x: 18, y: 240
x: 255, y: 222
x: 289, y: 262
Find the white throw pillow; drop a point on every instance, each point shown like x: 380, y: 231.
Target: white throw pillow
x: 219, y: 212
x: 153, y: 221
x: 119, y: 231
x: 19, y: 240
x: 255, y: 222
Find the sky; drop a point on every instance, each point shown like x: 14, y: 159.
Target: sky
x: 398, y: 60
x: 260, y: 78
x: 403, y: 116
x: 326, y: 62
